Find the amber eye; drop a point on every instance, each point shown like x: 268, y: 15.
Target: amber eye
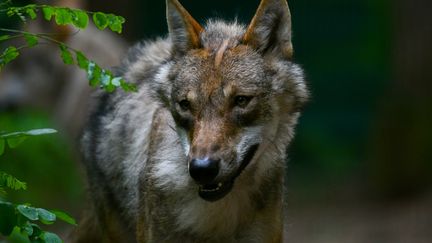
x: 242, y: 100
x: 184, y: 105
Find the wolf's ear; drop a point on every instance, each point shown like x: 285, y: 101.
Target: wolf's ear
x: 270, y: 29
x: 184, y: 30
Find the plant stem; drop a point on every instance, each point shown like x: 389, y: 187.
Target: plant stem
x: 41, y: 36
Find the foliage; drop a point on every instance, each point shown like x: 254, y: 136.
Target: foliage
x: 15, y: 138
x: 11, y: 182
x: 64, y: 16
x: 21, y: 218
x: 78, y: 18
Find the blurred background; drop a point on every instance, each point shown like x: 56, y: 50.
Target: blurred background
x: 360, y: 167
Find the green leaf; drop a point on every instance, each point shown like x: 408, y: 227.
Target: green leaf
x: 16, y: 138
x: 93, y: 74
x: 66, y: 55
x: 2, y: 146
x: 48, y: 12
x: 82, y: 60
x: 100, y: 20
x: 8, y: 218
x: 16, y: 11
x: 116, y: 81
x: 107, y: 81
x: 4, y: 37
x: 27, y: 211
x: 15, y: 142
x: 46, y: 216
x: 80, y: 18
x: 33, y: 132
x: 31, y: 12
x: 115, y: 22
x: 11, y: 182
x: 28, y: 228
x: 11, y: 11
x: 9, y: 55
x: 63, y: 16
x: 31, y: 40
x: 49, y: 237
x: 38, y: 132
x: 64, y: 217
x: 105, y: 78
x: 128, y: 87
x: 109, y: 88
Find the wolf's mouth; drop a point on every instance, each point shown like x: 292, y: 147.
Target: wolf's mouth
x: 214, y: 192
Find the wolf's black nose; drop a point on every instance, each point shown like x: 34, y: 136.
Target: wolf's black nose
x: 204, y: 171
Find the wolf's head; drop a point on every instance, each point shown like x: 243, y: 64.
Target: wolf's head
x: 232, y: 90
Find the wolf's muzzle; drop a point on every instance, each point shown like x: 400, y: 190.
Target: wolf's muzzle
x: 205, y: 171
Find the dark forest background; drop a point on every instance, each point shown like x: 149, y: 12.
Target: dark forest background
x: 361, y: 163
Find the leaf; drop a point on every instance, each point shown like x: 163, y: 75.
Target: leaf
x: 38, y: 132
x: 63, y: 16
x: 8, y: 218
x: 4, y: 37
x: 10, y: 12
x: 27, y: 211
x: 48, y: 12
x: 16, y: 138
x: 33, y: 132
x: 2, y: 146
x: 105, y: 78
x: 100, y: 20
x: 93, y: 74
x: 9, y: 54
x: 107, y: 83
x: 115, y: 22
x: 46, y: 216
x: 116, y: 81
x: 11, y: 182
x: 109, y: 88
x: 80, y: 18
x: 28, y: 228
x: 16, y: 11
x: 31, y: 40
x: 82, y: 60
x: 31, y: 12
x: 64, y: 217
x: 66, y: 55
x: 128, y: 87
x: 49, y: 237
x: 15, y: 142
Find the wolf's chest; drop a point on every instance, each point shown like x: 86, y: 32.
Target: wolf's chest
x: 223, y: 217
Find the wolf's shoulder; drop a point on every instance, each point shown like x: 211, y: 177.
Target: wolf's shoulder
x: 144, y: 59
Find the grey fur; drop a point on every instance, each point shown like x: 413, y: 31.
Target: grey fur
x: 136, y: 150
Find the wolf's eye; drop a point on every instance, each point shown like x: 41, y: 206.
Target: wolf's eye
x: 242, y: 100
x: 184, y: 105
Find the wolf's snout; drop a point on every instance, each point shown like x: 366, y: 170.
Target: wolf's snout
x: 204, y: 171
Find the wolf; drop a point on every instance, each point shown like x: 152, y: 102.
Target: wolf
x: 198, y: 154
